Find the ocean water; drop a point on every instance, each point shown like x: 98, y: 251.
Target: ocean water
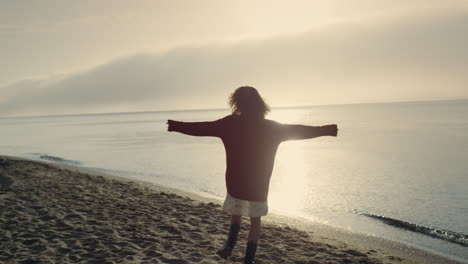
x: 396, y: 170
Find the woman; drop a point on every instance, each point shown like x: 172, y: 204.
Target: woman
x: 250, y: 142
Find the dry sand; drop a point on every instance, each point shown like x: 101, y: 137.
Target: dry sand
x: 54, y: 214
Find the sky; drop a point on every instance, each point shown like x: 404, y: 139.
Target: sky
x: 69, y: 57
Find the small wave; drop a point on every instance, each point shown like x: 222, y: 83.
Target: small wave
x: 59, y: 160
x: 449, y: 236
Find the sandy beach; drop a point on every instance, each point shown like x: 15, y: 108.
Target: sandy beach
x: 56, y: 214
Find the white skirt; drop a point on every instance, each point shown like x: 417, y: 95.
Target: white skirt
x: 236, y: 206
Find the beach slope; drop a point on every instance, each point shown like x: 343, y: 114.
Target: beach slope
x: 55, y: 214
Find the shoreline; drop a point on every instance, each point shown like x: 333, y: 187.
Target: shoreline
x: 59, y: 213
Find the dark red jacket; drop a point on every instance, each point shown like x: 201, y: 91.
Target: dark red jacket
x: 250, y: 149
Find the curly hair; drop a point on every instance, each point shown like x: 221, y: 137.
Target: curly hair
x: 246, y: 102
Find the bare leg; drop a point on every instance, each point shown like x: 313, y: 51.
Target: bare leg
x: 236, y: 219
x: 254, y: 234
x: 226, y: 251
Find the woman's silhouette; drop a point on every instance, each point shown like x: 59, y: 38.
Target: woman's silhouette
x: 250, y: 142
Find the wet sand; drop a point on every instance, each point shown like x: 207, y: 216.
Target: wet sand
x: 56, y: 214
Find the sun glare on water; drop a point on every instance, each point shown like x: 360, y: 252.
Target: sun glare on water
x: 288, y: 188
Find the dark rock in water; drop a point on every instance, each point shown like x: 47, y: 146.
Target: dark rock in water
x: 450, y: 236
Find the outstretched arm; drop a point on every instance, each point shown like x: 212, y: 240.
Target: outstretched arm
x: 294, y: 132
x: 201, y: 129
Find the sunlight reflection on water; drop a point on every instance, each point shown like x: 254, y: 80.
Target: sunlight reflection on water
x: 290, y: 186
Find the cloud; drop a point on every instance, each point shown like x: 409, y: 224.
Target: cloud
x: 424, y: 58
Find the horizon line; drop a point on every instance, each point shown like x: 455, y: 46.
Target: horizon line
x: 218, y: 109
